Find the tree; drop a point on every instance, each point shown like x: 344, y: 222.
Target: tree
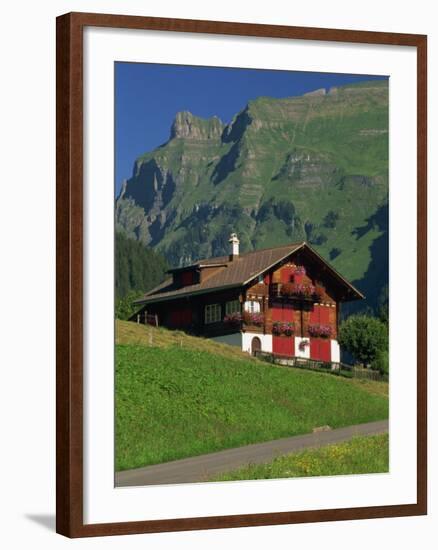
x: 365, y: 337
x: 137, y: 267
x: 125, y: 307
x: 381, y: 362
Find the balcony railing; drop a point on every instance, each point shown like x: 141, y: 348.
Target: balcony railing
x: 294, y: 291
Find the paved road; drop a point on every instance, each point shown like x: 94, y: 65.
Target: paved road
x: 200, y: 468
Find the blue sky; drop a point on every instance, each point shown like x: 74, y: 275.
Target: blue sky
x: 147, y: 97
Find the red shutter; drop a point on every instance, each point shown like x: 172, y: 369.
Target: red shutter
x: 324, y: 315
x: 186, y: 317
x: 324, y: 350
x: 181, y: 317
x: 175, y: 318
x: 288, y: 313
x: 267, y: 279
x: 314, y: 349
x: 286, y: 274
x: 320, y: 349
x: 277, y: 312
x: 283, y: 312
x: 187, y: 278
x: 315, y: 315
x: 283, y: 345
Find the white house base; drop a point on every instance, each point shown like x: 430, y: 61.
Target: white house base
x: 244, y: 341
x: 305, y: 351
x: 335, y: 351
x: 265, y: 339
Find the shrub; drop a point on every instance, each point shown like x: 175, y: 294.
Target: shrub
x: 381, y: 362
x: 125, y: 307
x: 364, y: 337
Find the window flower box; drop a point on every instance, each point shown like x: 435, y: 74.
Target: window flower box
x: 282, y: 328
x: 297, y: 290
x: 299, y: 274
x: 303, y: 291
x: 256, y: 319
x: 233, y: 319
x: 320, y: 331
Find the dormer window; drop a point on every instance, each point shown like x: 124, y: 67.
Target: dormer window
x: 187, y: 278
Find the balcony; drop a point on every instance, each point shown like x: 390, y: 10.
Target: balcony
x: 297, y: 291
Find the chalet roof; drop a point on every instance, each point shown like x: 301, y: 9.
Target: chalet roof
x: 234, y: 273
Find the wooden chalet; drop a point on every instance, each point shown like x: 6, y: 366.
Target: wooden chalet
x: 283, y: 300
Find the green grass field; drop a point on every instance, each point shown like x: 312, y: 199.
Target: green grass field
x: 361, y: 455
x: 179, y: 396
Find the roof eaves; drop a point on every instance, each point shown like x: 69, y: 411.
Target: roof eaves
x: 208, y: 290
x: 336, y: 273
x: 291, y: 251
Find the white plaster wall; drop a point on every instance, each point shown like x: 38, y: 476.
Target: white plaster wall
x: 335, y: 351
x: 266, y: 340
x: 234, y: 339
x: 302, y: 353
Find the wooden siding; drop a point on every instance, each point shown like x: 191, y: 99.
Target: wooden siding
x: 273, y: 306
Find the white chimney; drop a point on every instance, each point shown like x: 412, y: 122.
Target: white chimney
x: 234, y: 246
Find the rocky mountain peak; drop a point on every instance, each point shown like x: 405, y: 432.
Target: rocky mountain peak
x: 188, y: 126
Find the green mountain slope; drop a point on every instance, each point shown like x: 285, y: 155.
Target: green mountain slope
x: 313, y: 167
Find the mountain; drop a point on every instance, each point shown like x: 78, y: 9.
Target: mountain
x: 313, y: 167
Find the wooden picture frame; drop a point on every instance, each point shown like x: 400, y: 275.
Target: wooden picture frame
x: 70, y: 240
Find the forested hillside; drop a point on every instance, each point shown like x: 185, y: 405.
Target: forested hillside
x: 137, y: 267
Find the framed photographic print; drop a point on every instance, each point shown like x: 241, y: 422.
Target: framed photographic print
x: 241, y: 275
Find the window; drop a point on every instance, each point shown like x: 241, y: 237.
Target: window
x: 252, y: 306
x: 213, y: 313
x: 232, y: 307
x: 187, y: 278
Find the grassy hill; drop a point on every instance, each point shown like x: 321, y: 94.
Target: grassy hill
x: 361, y: 455
x: 179, y: 396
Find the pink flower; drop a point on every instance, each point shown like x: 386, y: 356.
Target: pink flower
x: 233, y: 318
x: 300, y: 270
x: 321, y: 331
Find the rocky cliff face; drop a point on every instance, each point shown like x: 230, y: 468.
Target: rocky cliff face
x: 188, y: 126
x: 313, y: 167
